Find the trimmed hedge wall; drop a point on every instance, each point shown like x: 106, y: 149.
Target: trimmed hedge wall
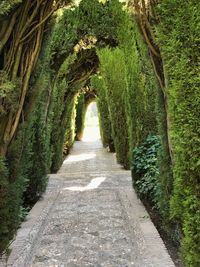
x: 98, y: 83
x: 114, y: 72
x: 178, y: 37
x: 80, y: 116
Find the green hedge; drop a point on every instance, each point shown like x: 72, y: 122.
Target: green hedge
x: 69, y: 128
x: 114, y: 72
x: 7, y: 5
x: 141, y: 89
x: 142, y: 84
x: 80, y: 116
x: 178, y: 37
x: 4, y: 200
x: 98, y: 84
x: 145, y: 170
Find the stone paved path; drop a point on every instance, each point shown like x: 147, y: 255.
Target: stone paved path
x: 89, y: 216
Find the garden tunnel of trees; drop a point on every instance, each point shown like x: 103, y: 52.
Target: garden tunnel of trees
x: 140, y: 61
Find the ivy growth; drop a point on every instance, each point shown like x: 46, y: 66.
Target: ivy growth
x: 146, y: 171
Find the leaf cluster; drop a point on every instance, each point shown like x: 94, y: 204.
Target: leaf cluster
x: 145, y: 166
x: 7, y: 5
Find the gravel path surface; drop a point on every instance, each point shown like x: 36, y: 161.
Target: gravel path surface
x: 89, y: 216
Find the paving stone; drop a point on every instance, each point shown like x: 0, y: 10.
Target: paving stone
x: 89, y: 216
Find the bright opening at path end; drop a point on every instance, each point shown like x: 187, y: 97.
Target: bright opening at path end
x: 91, y: 132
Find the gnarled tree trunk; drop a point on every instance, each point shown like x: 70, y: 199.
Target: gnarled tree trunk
x: 20, y: 44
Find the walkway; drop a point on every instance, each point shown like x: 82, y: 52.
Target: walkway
x: 89, y: 216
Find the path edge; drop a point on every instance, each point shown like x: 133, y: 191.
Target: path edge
x: 27, y: 235
x: 149, y: 236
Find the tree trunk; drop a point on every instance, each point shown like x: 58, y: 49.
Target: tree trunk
x: 21, y: 45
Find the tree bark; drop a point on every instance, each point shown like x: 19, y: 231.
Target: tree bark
x: 21, y: 46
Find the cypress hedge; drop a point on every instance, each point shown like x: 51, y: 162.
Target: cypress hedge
x: 114, y: 72
x: 98, y: 83
x: 80, y: 116
x: 178, y: 38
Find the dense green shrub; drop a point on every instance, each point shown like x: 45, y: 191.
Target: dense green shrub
x: 178, y: 33
x: 165, y: 165
x: 17, y: 180
x: 37, y: 150
x: 98, y: 83
x: 114, y: 72
x: 27, y: 159
x: 4, y: 212
x: 142, y: 85
x: 145, y: 170
x: 63, y: 131
x: 80, y: 116
x: 7, y: 5
x: 36, y: 158
x: 70, y: 125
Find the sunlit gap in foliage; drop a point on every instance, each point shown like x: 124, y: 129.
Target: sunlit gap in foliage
x: 91, y: 131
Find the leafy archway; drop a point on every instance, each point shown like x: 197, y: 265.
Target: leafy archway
x: 44, y: 64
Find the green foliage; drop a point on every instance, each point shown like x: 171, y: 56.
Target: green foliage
x: 23, y: 213
x: 63, y: 105
x: 70, y: 125
x: 165, y: 168
x: 89, y: 19
x: 14, y: 184
x: 36, y: 157
x: 29, y: 156
x: 146, y: 172
x: 7, y: 5
x: 38, y: 153
x: 94, y: 18
x: 57, y: 127
x: 98, y: 84
x: 80, y: 116
x: 62, y: 39
x: 114, y: 72
x: 9, y: 92
x: 179, y: 41
x: 4, y: 213
x: 142, y: 85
